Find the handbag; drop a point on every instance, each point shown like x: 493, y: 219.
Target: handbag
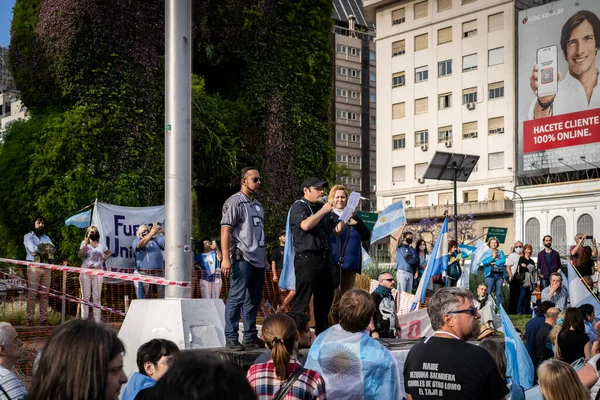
x: 288, y: 384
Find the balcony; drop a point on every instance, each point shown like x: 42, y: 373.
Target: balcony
x: 477, y: 208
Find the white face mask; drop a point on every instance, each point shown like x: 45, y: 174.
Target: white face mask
x: 518, y: 250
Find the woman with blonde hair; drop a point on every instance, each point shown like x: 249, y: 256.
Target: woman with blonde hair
x: 94, y: 254
x: 283, y: 377
x: 559, y: 381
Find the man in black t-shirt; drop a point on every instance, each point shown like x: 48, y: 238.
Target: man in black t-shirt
x: 444, y: 366
x: 277, y: 257
x: 311, y: 223
x: 543, y: 348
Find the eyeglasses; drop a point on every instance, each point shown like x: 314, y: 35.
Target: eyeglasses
x: 469, y: 310
x: 389, y: 279
x: 256, y: 179
x: 318, y: 188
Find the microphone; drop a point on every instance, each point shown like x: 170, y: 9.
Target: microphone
x: 323, y: 199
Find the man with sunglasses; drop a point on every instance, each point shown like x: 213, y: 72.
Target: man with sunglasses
x: 444, y: 365
x: 512, y: 267
x: 385, y: 320
x: 243, y: 244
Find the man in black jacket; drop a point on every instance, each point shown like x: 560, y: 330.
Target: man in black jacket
x: 385, y: 320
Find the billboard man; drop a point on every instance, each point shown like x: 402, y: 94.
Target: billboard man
x: 579, y: 41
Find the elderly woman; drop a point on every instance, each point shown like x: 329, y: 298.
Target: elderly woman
x: 494, y: 269
x: 346, y: 246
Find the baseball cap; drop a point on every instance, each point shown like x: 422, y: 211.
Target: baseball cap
x: 313, y: 182
x: 281, y: 233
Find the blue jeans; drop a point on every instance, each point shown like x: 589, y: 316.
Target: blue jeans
x: 494, y: 282
x: 524, y: 301
x: 404, y: 281
x: 139, y: 292
x: 245, y: 291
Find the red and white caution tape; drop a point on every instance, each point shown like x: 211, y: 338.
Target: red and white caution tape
x: 98, y: 272
x: 49, y: 292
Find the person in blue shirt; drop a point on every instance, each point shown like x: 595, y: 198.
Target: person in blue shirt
x: 149, y: 246
x: 494, y: 269
x: 210, y: 264
x: 407, y: 261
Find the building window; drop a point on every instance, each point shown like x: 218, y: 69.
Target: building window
x: 495, y: 193
x: 354, y: 94
x: 372, y: 55
x: 532, y: 234
x: 470, y: 196
x: 496, y: 160
x: 355, y: 138
x: 354, y: 159
x: 445, y: 68
x: 496, y: 125
x: 354, y: 51
x: 422, y: 200
x: 340, y: 48
x: 373, y: 162
x: 421, y: 9
x: 421, y: 105
x: 470, y: 130
x: 355, y: 73
x: 372, y: 98
x: 420, y: 170
x: 372, y: 120
x: 341, y: 114
x: 421, y: 138
x: 342, y: 136
x: 470, y: 95
x: 444, y: 5
x: 421, y: 74
x: 470, y: 62
x: 445, y: 198
x: 444, y: 101
x: 445, y: 35
x: 341, y: 158
x: 496, y: 22
x: 341, y: 70
x: 464, y: 2
x: 399, y: 173
x: 496, y: 56
x: 343, y: 180
x: 398, y: 79
x: 341, y: 92
x: 355, y: 181
x: 372, y: 76
x: 398, y: 48
x: 399, y: 141
x: 354, y: 116
x: 373, y: 140
x: 585, y: 225
x: 421, y: 42
x: 470, y: 29
x: 444, y: 134
x: 496, y: 90
x: 398, y: 17
x: 398, y: 110
x: 558, y: 231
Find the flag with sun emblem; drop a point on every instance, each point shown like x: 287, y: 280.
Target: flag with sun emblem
x: 389, y: 221
x: 354, y: 366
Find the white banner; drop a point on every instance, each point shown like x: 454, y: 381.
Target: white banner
x: 118, y: 225
x: 414, y: 325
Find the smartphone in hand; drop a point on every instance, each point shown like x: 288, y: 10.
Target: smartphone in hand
x: 547, y: 63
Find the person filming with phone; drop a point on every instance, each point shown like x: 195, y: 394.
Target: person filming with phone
x: 149, y: 246
x: 579, y: 42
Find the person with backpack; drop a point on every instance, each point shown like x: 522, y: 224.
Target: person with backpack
x: 454, y: 271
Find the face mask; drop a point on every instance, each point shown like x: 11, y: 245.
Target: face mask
x: 94, y: 237
x: 408, y: 241
x: 422, y: 247
x: 548, y: 245
x: 518, y: 250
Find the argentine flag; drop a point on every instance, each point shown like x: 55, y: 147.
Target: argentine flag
x: 81, y: 220
x: 519, y: 366
x: 354, y: 366
x: 287, y: 280
x: 465, y: 250
x: 389, y: 221
x: 578, y: 292
x: 482, y: 251
x: 438, y: 262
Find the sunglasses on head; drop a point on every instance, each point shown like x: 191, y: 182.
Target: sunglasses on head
x: 256, y: 179
x: 469, y: 310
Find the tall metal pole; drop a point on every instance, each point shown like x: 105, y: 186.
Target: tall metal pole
x: 455, y: 205
x: 178, y: 143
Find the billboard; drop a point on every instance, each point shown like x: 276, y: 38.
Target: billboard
x: 558, y: 91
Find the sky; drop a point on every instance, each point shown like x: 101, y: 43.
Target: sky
x: 6, y: 7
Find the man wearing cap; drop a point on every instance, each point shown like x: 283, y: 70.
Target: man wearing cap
x: 311, y: 222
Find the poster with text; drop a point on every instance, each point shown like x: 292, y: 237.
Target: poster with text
x: 559, y: 95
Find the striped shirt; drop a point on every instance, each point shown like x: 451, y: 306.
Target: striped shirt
x: 265, y: 383
x: 12, y: 384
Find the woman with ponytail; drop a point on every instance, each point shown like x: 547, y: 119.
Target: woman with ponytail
x: 283, y: 377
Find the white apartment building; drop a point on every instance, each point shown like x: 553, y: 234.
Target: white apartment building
x: 446, y: 82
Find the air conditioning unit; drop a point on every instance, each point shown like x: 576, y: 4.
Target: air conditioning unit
x: 407, y: 202
x: 424, y: 147
x: 470, y: 106
x: 448, y: 143
x: 421, y: 180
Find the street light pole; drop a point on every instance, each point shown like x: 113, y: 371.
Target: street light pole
x: 522, y: 210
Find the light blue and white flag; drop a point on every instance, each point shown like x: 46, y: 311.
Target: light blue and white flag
x: 438, y: 262
x: 466, y: 250
x: 578, y: 292
x: 81, y: 220
x: 519, y: 366
x: 389, y: 221
x: 482, y: 251
x: 354, y: 366
x: 287, y: 279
